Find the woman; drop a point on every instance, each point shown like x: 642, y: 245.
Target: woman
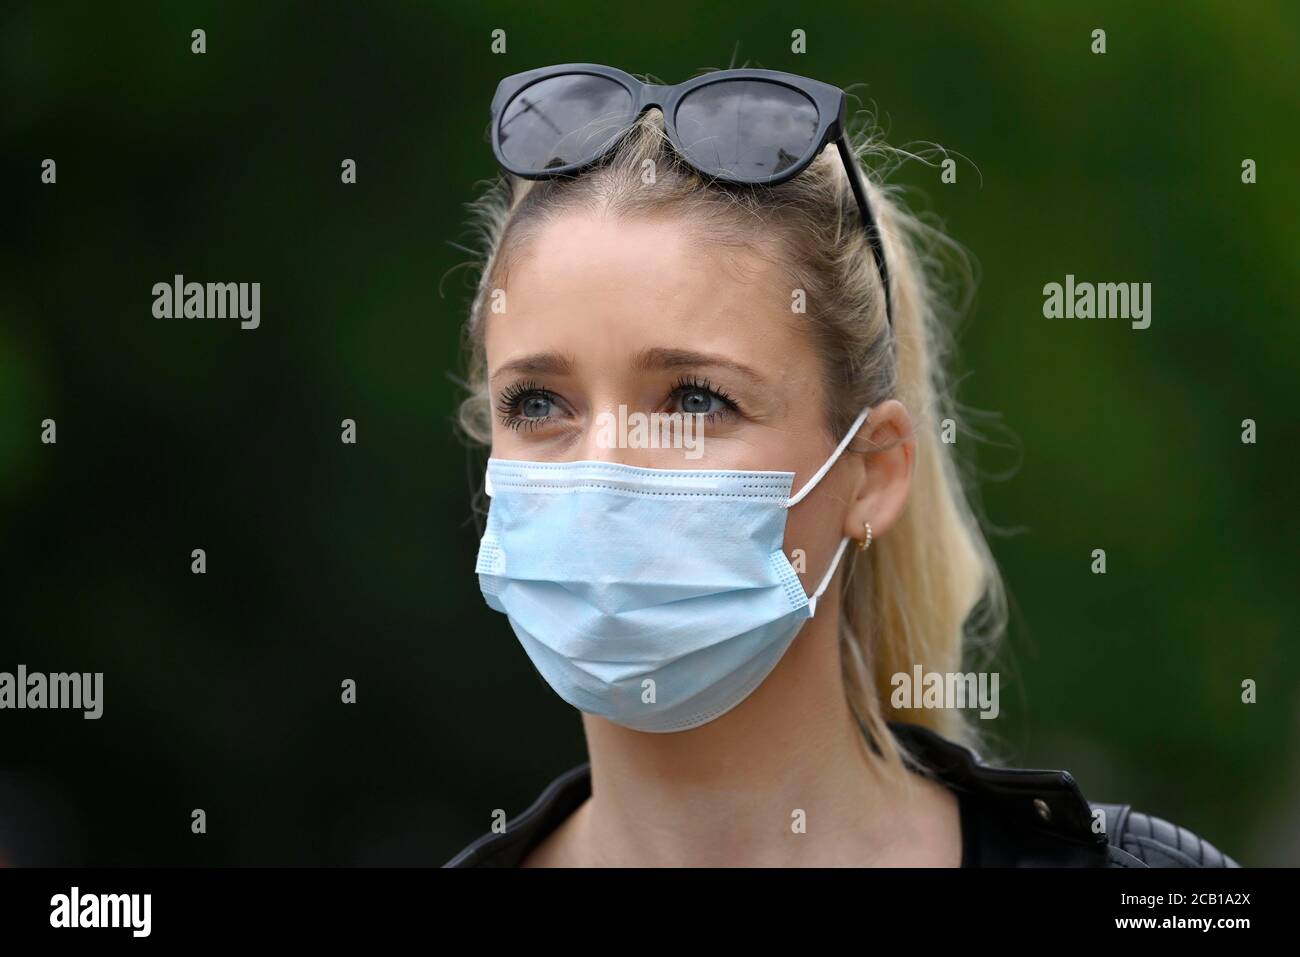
x: 706, y: 358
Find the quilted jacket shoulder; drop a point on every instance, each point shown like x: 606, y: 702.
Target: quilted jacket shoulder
x: 1155, y: 842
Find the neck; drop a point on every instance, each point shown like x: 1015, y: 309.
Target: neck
x: 783, y: 779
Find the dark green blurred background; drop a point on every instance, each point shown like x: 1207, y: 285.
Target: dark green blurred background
x: 328, y: 561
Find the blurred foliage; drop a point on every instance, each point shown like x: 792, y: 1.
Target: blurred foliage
x: 328, y: 561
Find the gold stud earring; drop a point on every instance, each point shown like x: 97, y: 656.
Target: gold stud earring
x: 866, y: 542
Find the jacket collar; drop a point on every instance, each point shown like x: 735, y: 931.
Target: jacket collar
x: 1020, y: 816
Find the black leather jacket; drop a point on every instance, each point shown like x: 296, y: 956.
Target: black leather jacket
x: 1010, y: 817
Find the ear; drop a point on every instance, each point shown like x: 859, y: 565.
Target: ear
x: 886, y: 448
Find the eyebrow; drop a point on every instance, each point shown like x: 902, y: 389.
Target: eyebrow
x: 539, y: 363
x: 560, y: 364
x: 660, y: 358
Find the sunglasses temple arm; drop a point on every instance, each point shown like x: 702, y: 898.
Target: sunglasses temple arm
x: 873, y: 231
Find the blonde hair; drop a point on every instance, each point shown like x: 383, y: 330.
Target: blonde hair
x: 928, y: 589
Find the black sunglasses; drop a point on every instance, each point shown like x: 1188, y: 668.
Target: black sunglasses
x: 750, y: 127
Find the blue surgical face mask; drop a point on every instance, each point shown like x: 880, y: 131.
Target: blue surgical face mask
x: 655, y: 598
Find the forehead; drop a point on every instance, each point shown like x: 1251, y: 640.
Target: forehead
x: 603, y: 288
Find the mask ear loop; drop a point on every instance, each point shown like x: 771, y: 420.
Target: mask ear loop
x: 826, y: 466
x: 826, y: 580
x: 810, y: 485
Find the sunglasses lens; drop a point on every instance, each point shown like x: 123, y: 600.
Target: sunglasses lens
x: 746, y: 130
x: 563, y: 120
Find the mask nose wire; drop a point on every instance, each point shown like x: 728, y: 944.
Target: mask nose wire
x: 808, y: 486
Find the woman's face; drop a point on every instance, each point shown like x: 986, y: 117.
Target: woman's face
x: 601, y: 313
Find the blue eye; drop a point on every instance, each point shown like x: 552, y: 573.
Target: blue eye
x: 697, y: 397
x: 525, y: 405
x: 536, y: 407
x: 699, y: 402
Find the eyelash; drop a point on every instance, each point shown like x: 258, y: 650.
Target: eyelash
x: 687, y: 384
x: 512, y: 398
